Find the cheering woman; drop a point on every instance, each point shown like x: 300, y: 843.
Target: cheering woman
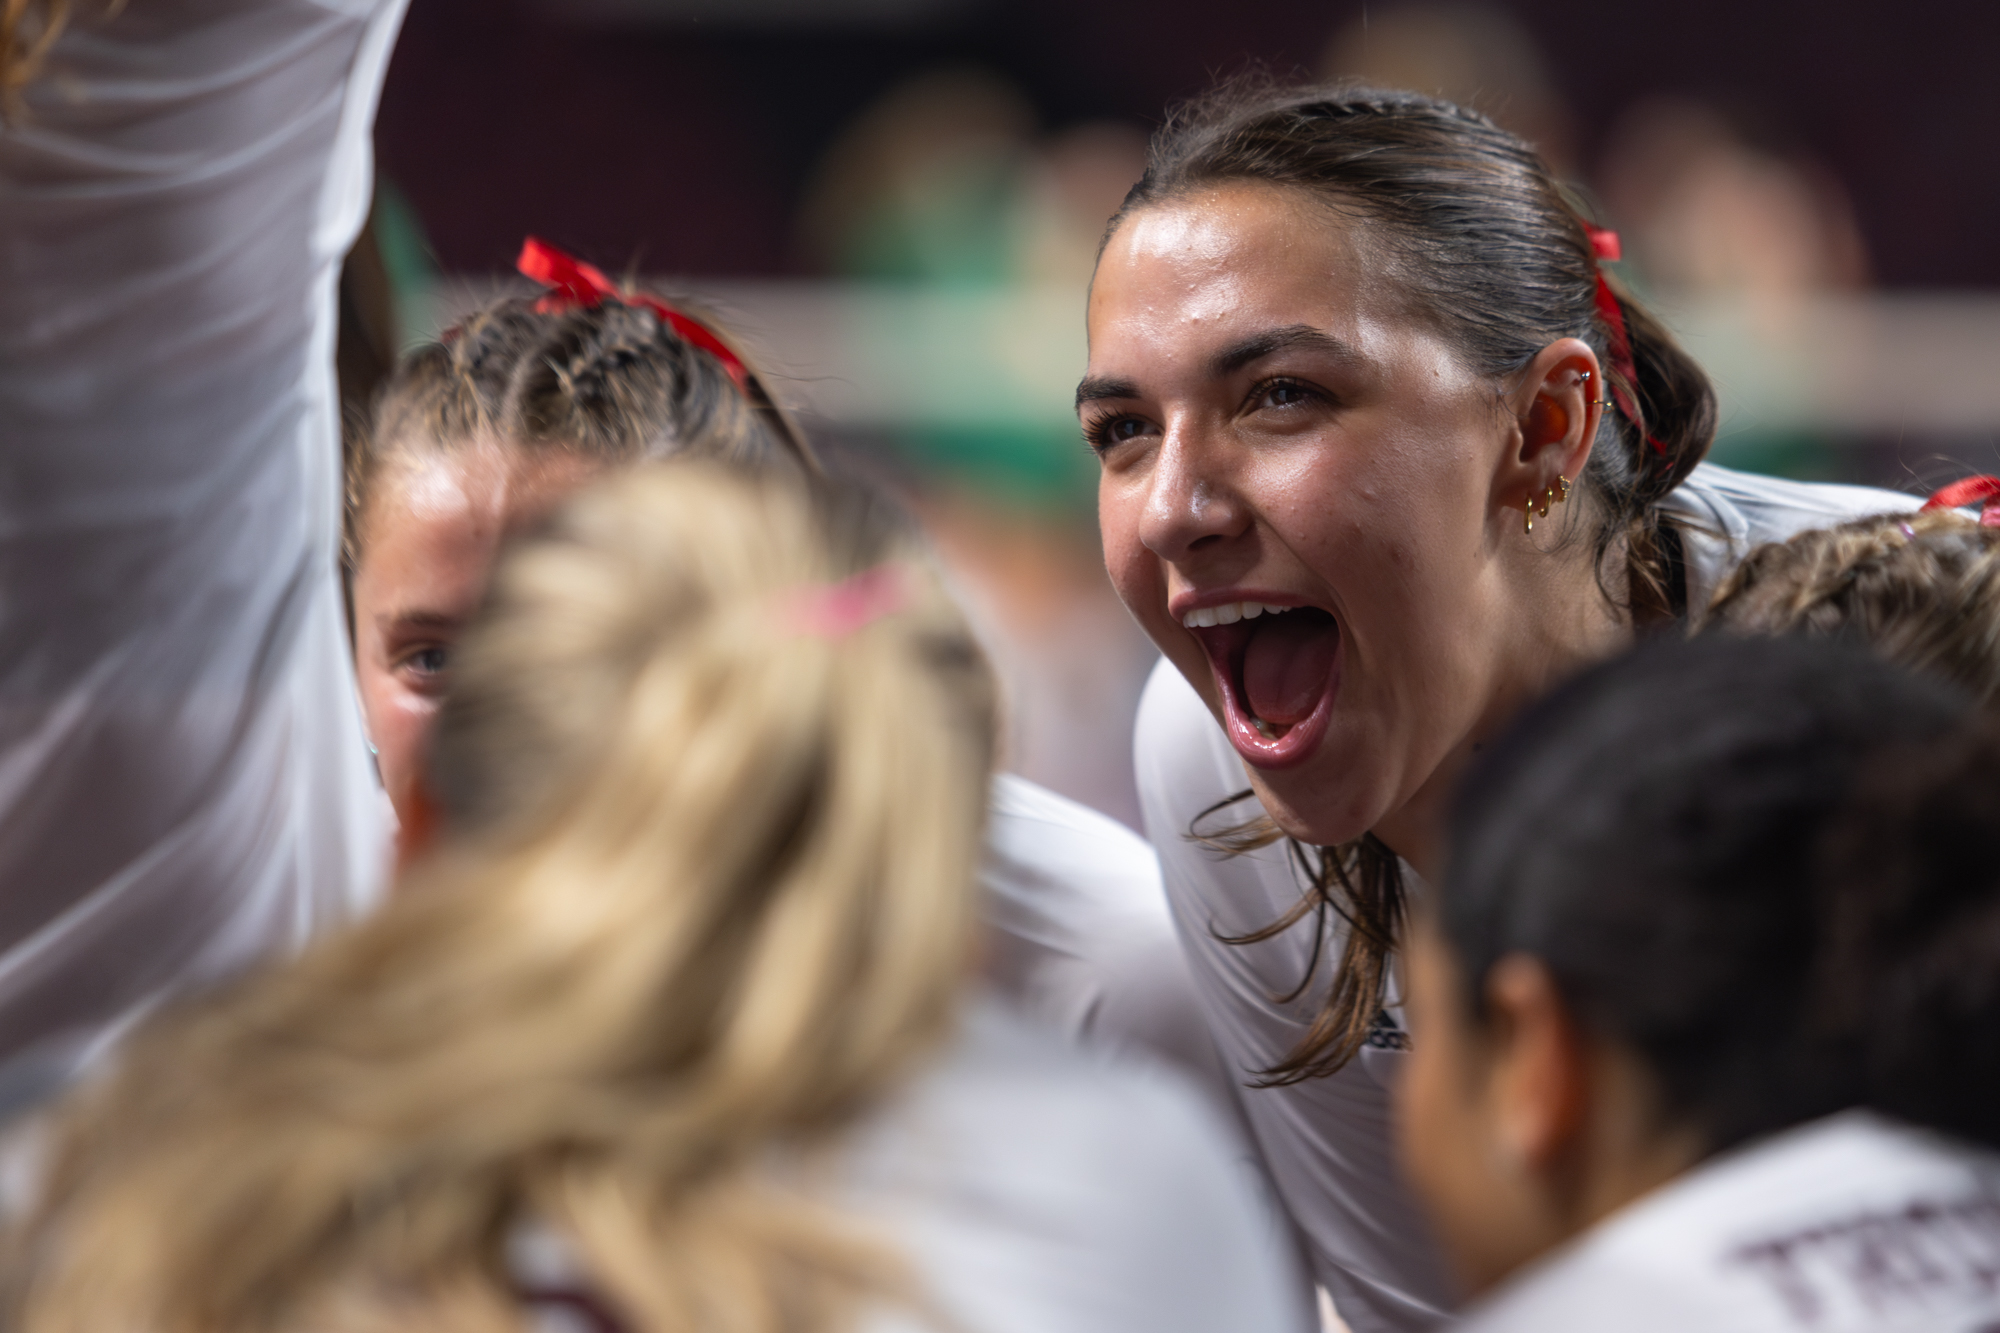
x: 1384, y: 455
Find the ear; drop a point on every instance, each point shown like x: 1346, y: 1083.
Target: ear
x: 1540, y: 1076
x: 1555, y: 405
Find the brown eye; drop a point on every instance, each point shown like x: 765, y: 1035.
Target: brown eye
x: 1284, y: 393
x: 1110, y: 432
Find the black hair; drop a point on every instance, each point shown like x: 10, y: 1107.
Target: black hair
x: 1732, y: 857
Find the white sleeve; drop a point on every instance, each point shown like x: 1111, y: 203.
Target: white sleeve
x: 1078, y: 935
x: 1326, y: 1143
x: 1724, y: 515
x: 1038, y: 1192
x: 184, y: 785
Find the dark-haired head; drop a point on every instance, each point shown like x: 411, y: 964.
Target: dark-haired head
x: 1345, y: 343
x: 1752, y: 875
x: 1487, y: 245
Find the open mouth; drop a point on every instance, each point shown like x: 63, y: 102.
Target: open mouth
x: 1278, y: 668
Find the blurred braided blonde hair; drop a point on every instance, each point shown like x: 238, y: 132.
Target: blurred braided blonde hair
x: 705, y: 893
x: 1921, y: 589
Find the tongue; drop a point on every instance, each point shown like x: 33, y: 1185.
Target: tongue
x: 1286, y: 665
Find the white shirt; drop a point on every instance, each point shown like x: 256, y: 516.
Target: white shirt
x: 1036, y: 1190
x: 1327, y: 1142
x: 184, y: 786
x: 1078, y: 935
x: 1853, y: 1224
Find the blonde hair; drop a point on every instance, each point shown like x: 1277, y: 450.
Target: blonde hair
x: 1921, y: 589
x: 706, y: 891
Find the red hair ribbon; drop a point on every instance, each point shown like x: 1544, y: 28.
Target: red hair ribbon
x: 575, y: 283
x: 1982, y: 491
x: 836, y: 610
x: 1605, y: 243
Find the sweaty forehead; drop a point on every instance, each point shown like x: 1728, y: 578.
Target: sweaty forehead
x: 483, y: 484
x: 1242, y: 253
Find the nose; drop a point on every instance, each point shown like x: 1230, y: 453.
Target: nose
x: 1191, y: 507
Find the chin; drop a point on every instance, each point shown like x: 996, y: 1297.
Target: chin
x: 1317, y: 813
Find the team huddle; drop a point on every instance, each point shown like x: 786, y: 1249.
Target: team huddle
x: 539, y: 861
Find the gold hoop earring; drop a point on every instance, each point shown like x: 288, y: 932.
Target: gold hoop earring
x: 1541, y: 504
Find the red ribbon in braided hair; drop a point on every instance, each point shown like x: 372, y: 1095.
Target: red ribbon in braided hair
x: 1982, y: 491
x: 1622, y: 372
x: 574, y: 283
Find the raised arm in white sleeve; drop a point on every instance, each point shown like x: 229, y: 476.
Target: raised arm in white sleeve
x: 184, y: 785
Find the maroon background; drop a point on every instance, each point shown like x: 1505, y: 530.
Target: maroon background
x: 686, y: 149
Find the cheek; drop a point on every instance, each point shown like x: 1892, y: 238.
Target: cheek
x: 1133, y: 570
x: 399, y: 724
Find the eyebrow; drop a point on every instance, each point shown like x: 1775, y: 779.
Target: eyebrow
x: 1094, y: 387
x: 420, y: 620
x: 1232, y: 359
x: 1260, y: 345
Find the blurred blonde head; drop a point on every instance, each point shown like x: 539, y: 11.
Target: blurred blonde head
x: 1921, y: 589
x: 704, y: 894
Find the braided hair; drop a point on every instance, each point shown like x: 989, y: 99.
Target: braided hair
x: 611, y: 382
x: 1922, y: 590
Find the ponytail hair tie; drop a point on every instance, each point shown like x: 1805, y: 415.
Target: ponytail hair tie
x: 1982, y: 491
x: 574, y: 284
x: 1604, y: 244
x: 836, y: 610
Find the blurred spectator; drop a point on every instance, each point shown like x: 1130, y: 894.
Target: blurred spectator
x: 1474, y: 54
x: 947, y: 184
x: 1708, y: 210
x: 1747, y: 236
x: 925, y: 185
x: 1079, y: 180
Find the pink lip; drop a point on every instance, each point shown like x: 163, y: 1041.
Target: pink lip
x: 1225, y: 645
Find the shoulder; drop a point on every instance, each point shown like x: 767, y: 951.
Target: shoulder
x: 1078, y: 933
x: 1044, y: 834
x: 1177, y: 745
x: 1724, y: 515
x: 1041, y: 1188
x: 1846, y: 1224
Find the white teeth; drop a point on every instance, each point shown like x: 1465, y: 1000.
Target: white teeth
x: 1229, y: 613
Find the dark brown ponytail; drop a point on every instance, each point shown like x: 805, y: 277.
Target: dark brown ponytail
x: 1496, y: 257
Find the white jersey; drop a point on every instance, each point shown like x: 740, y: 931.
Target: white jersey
x: 1327, y: 1142
x: 184, y: 786
x: 1853, y: 1224
x: 1078, y: 935
x: 1036, y: 1190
